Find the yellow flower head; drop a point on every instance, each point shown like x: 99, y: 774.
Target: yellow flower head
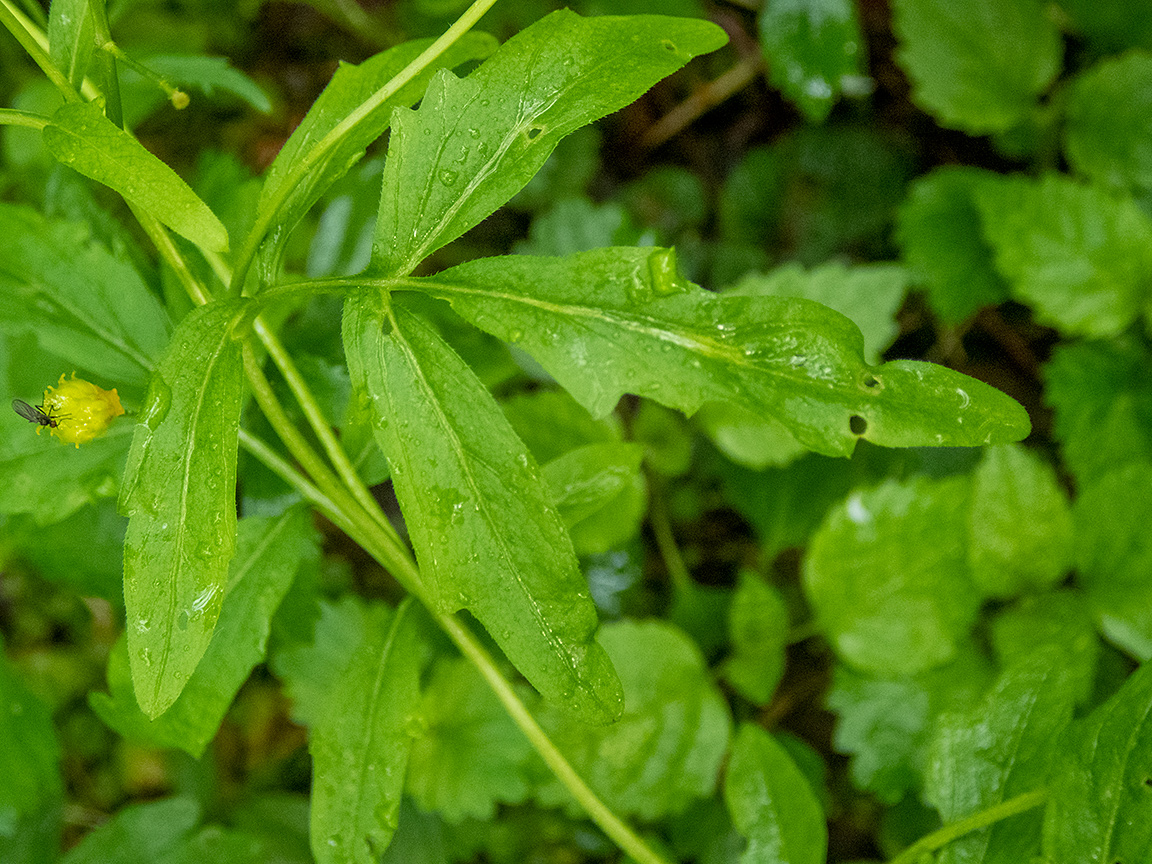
x: 80, y: 409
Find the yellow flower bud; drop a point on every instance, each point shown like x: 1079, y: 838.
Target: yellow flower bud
x: 80, y: 409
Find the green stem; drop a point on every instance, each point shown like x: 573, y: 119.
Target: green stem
x: 982, y: 819
x: 15, y: 117
x: 177, y: 97
x: 325, y: 145
x: 666, y: 541
x: 33, y: 40
x: 110, y: 77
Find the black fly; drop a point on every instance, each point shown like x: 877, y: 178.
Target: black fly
x: 34, y: 414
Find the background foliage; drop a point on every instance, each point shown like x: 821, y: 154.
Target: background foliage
x: 819, y: 656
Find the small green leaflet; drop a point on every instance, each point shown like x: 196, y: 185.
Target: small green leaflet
x: 81, y: 137
x: 179, y: 491
x: 360, y: 745
x: 475, y: 142
x: 486, y: 533
x: 771, y: 802
x: 615, y: 321
x: 139, y: 834
x: 1100, y: 804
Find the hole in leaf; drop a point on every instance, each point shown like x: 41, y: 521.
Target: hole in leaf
x: 669, y: 45
x: 857, y: 424
x: 534, y: 132
x: 871, y: 382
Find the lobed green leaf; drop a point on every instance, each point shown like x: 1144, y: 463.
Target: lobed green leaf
x: 615, y: 321
x: 269, y: 550
x: 469, y: 755
x: 771, y: 802
x: 81, y: 137
x: 938, y: 228
x: 475, y: 142
x: 1108, y: 130
x: 1100, y: 805
x: 758, y: 632
x: 1080, y: 255
x: 360, y: 745
x: 1019, y: 524
x: 1114, y: 555
x: 486, y: 533
x: 179, y: 491
x: 975, y: 65
x: 600, y: 494
x: 665, y: 750
x: 1001, y: 748
x: 887, y: 576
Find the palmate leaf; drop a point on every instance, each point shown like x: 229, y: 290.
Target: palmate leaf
x: 179, y: 491
x: 615, y: 321
x: 477, y: 141
x: 486, y: 533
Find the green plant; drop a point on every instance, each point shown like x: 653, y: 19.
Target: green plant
x: 486, y: 389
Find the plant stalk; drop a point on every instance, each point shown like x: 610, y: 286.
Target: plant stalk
x: 982, y: 819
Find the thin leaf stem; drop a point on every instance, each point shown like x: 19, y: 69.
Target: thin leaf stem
x: 284, y: 470
x: 620, y: 832
x: 320, y: 425
x: 982, y: 819
x: 33, y: 40
x: 666, y: 541
x: 315, y: 156
x: 162, y: 240
x: 15, y: 117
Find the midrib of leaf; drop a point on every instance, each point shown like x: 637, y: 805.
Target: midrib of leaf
x: 473, y: 484
x: 368, y: 730
x: 91, y: 325
x: 1131, y: 745
x: 524, y: 122
x: 243, y: 569
x: 708, y: 348
x: 181, y: 533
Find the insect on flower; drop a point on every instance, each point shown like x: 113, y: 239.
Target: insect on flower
x: 35, y: 414
x: 75, y: 410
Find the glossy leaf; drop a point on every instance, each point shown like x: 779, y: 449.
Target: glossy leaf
x: 469, y: 755
x: 269, y: 550
x: 600, y: 494
x: 1114, y: 555
x: 940, y: 234
x: 869, y: 294
x: 1108, y: 131
x: 665, y: 751
x: 476, y: 141
x: 814, y: 49
x: 1001, y: 748
x: 974, y: 65
x: 71, y: 39
x: 81, y: 137
x: 1100, y: 804
x: 758, y: 632
x: 349, y: 88
x: 1081, y: 256
x: 771, y: 802
x: 617, y: 321
x: 1019, y: 524
x: 138, y: 834
x: 887, y: 576
x: 360, y: 745
x: 180, y: 491
x: 486, y: 533
x: 80, y: 301
x: 885, y: 724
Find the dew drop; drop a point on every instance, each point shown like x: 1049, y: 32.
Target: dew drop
x: 156, y: 403
x: 448, y: 178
